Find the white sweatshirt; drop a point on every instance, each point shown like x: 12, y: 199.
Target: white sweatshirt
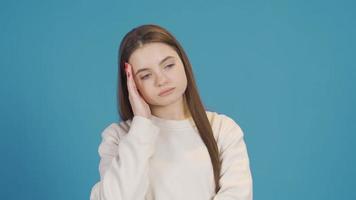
x: 160, y: 159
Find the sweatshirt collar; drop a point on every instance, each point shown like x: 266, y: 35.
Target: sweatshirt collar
x: 173, y: 124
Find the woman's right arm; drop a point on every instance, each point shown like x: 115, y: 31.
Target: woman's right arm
x: 124, y: 162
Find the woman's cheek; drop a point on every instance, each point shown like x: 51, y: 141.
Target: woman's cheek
x: 143, y: 90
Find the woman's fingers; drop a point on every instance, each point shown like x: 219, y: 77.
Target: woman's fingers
x: 130, y: 81
x: 138, y: 104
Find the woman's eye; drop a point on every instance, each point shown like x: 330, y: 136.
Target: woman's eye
x: 145, y: 77
x: 169, y: 66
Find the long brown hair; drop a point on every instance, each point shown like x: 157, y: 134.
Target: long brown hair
x: 148, y: 33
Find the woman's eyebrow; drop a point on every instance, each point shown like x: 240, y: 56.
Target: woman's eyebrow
x: 160, y: 63
x: 164, y: 59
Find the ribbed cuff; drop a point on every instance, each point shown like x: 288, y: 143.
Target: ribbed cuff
x: 143, y: 129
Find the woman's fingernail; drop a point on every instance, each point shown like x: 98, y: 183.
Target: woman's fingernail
x: 128, y: 74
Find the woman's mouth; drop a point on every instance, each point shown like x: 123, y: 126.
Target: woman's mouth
x: 166, y: 92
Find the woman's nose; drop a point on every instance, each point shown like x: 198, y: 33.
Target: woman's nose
x: 161, y: 79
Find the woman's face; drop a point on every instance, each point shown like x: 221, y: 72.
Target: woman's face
x: 158, y: 67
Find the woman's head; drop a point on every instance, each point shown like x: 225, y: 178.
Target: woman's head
x: 157, y: 67
x: 145, y: 47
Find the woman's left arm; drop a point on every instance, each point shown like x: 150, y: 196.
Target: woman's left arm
x: 235, y: 178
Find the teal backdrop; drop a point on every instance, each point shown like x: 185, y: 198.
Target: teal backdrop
x: 283, y: 70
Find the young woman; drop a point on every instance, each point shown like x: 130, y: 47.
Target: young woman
x: 167, y: 146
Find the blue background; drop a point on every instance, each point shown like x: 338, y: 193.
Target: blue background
x: 284, y: 70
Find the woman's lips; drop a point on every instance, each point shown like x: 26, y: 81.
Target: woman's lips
x: 164, y: 92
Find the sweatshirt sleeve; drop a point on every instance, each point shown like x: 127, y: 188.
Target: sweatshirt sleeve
x: 124, y: 162
x: 236, y: 178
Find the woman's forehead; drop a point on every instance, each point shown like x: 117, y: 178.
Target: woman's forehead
x: 150, y: 55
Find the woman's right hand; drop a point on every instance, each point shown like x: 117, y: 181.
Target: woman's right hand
x: 138, y: 104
